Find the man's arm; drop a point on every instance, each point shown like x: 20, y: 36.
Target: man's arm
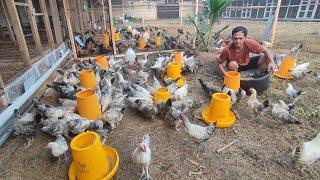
x: 221, y: 59
x: 221, y: 67
x: 269, y: 57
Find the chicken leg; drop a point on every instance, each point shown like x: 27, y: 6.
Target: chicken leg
x: 143, y: 174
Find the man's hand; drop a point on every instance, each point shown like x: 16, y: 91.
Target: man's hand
x: 272, y: 66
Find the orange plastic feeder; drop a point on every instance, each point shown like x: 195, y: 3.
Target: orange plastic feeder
x: 178, y: 57
x: 102, y: 62
x: 92, y: 160
x: 232, y: 80
x: 219, y: 111
x: 157, y: 41
x: 88, y: 104
x: 88, y: 79
x: 161, y: 95
x: 286, y: 64
x: 142, y: 43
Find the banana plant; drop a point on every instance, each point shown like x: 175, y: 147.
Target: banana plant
x: 213, y: 9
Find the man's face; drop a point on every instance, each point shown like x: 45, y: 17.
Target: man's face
x: 238, y: 39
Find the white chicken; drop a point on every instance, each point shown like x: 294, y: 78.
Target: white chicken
x: 113, y: 116
x: 307, y: 152
x: 196, y: 131
x: 58, y: 147
x: 142, y: 156
x: 49, y: 111
x: 190, y: 64
x: 281, y: 110
x: 300, y: 70
x: 254, y: 104
x: 70, y: 79
x: 143, y: 62
x: 291, y: 92
x: 105, y: 100
x: 181, y: 93
x: 71, y: 105
x: 183, y: 105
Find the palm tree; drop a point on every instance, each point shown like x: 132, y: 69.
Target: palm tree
x: 213, y: 9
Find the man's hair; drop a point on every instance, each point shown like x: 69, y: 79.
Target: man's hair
x: 240, y: 29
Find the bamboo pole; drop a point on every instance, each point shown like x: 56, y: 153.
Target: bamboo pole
x: 56, y: 21
x: 80, y: 14
x: 274, y: 26
x: 70, y: 32
x: 1, y: 82
x: 111, y: 27
x: 180, y: 10
x: 47, y: 25
x: 142, y: 15
x: 196, y: 21
x: 104, y: 15
x: 15, y: 20
x: 8, y: 23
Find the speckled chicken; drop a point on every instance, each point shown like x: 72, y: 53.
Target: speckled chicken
x: 307, y: 152
x: 281, y: 111
x: 142, y: 156
x: 209, y: 88
x: 180, y: 93
x: 113, y: 116
x: 48, y: 111
x: 291, y: 92
x: 300, y: 70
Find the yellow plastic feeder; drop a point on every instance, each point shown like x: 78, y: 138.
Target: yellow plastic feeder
x: 88, y: 79
x: 180, y: 82
x: 286, y: 64
x: 102, y: 62
x: 88, y: 104
x: 92, y: 160
x: 142, y: 43
x: 157, y: 41
x: 117, y: 36
x: 161, y: 95
x: 219, y: 111
x: 173, y: 71
x: 232, y: 80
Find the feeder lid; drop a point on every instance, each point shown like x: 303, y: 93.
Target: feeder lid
x: 277, y: 74
x: 229, y: 118
x: 113, y: 159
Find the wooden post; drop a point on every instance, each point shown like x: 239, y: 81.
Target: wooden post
x: 1, y: 81
x: 46, y: 21
x: 34, y: 28
x: 104, y: 15
x: 70, y: 31
x: 93, y: 18
x: 180, y: 10
x: 14, y: 18
x: 8, y: 23
x: 122, y: 8
x: 276, y: 14
x: 80, y: 14
x: 142, y: 15
x: 56, y: 21
x: 111, y: 27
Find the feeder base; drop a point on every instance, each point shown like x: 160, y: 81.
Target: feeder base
x: 277, y: 74
x: 229, y: 118
x: 113, y: 159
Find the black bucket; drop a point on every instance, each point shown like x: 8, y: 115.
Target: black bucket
x: 260, y: 83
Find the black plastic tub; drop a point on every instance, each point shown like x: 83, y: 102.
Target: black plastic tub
x: 259, y: 82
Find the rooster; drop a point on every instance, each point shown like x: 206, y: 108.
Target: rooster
x: 254, y: 104
x: 142, y: 156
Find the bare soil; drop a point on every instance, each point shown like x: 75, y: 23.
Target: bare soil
x: 262, y: 148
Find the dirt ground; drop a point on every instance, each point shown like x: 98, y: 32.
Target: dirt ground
x: 262, y: 148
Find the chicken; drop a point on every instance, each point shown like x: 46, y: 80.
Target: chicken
x: 25, y: 126
x: 267, y: 44
x: 307, y: 152
x: 181, y: 93
x: 296, y: 49
x: 183, y: 105
x: 172, y: 118
x: 156, y: 84
x: 144, y: 76
x: 139, y: 91
x: 281, y: 110
x: 278, y: 59
x: 254, y: 104
x: 172, y: 87
x: 59, y: 147
x: 241, y: 94
x: 143, y: 62
x: 142, y: 156
x: 287, y: 107
x: 70, y: 79
x: 209, y: 88
x: 190, y: 64
x: 196, y: 131
x: 158, y: 64
x: 291, y: 92
x: 300, y: 70
x: 105, y: 100
x: 56, y: 126
x: 120, y: 82
x: 48, y: 111
x: 231, y: 93
x: 77, y: 126
x: 113, y: 116
x: 71, y: 105
x: 51, y: 93
x: 317, y: 76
